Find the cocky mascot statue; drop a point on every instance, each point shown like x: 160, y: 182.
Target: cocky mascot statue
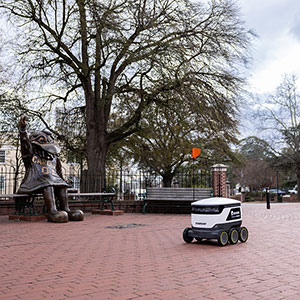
x: 44, y: 173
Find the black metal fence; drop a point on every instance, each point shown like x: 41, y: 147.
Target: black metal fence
x: 129, y: 185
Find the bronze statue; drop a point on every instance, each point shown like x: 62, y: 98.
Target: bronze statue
x: 44, y: 173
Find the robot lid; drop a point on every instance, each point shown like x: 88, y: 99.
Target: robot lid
x: 216, y: 201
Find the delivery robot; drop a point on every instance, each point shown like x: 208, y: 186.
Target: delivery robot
x: 216, y: 218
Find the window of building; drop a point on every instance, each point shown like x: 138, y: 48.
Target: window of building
x: 2, y: 183
x: 2, y: 156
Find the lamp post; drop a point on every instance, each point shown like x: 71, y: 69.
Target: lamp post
x: 243, y: 189
x: 243, y: 193
x: 268, y: 197
x: 279, y: 197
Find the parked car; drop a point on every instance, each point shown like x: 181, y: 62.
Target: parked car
x: 274, y: 191
x: 294, y: 190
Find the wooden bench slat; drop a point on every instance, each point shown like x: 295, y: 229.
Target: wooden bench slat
x: 174, y: 197
x: 90, y: 194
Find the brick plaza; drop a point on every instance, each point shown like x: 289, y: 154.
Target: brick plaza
x: 148, y: 260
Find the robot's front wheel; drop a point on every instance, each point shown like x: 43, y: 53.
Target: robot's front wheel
x: 233, y: 236
x: 223, y: 238
x: 243, y: 234
x: 185, y: 235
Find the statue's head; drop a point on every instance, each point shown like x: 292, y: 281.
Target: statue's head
x: 45, y: 140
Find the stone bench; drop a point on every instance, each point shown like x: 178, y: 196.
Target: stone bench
x: 178, y: 199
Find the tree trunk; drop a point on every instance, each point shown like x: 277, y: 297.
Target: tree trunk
x: 167, y: 180
x: 97, y: 145
x: 95, y: 175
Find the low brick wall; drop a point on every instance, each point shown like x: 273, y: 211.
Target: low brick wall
x: 291, y: 198
x: 273, y: 198
x: 7, y: 207
x: 130, y: 206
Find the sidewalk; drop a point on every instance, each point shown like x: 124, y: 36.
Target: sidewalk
x: 97, y: 259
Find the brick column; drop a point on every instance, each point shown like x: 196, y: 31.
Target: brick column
x: 219, y: 180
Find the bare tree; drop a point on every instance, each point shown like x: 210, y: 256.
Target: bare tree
x: 280, y: 115
x: 108, y: 55
x: 255, y: 174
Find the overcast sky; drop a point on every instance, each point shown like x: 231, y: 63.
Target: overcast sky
x: 277, y: 48
x: 276, y: 52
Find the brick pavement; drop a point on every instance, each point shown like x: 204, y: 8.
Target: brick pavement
x: 88, y: 260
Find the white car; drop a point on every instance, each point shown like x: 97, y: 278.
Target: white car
x: 294, y: 190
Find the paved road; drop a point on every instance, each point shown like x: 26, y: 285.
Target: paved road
x: 97, y: 259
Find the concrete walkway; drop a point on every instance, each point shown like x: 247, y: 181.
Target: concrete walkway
x: 98, y: 259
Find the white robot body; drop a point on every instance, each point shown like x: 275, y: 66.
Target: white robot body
x: 216, y: 218
x: 207, y: 213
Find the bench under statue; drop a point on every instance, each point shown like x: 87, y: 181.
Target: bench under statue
x: 44, y: 174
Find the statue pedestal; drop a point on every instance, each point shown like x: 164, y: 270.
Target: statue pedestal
x: 110, y: 212
x: 27, y: 218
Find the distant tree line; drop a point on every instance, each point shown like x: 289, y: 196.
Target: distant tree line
x: 279, y: 153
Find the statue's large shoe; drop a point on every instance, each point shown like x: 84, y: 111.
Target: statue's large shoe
x: 76, y: 215
x: 58, y: 217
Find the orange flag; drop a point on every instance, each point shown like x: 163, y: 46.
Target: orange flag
x: 196, y: 152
